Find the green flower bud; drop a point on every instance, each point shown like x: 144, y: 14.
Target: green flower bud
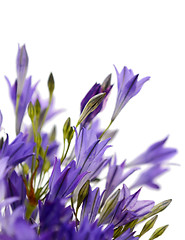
x: 156, y: 209
x: 37, y: 108
x: 91, y: 105
x: 158, y: 232
x: 52, y: 136
x: 31, y: 111
x: 83, y: 193
x: 51, y: 84
x: 109, y: 206
x: 66, y: 127
x: 148, y: 225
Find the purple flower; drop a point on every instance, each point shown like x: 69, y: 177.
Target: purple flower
x: 21, y: 67
x: 89, y: 153
x: 116, y: 175
x: 96, y: 89
x: 14, y: 227
x: 63, y: 183
x: 25, y: 98
x: 16, y: 188
x: 128, y: 208
x: 18, y: 151
x: 148, y: 176
x: 155, y: 154
x: 53, y: 214
x: 91, y: 205
x: 93, y: 232
x: 128, y: 87
x: 127, y: 235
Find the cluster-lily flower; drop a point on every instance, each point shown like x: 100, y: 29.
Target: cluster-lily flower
x: 128, y: 87
x: 43, y: 197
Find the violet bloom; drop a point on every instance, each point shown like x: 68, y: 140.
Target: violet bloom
x: 96, y: 89
x: 155, y: 154
x: 91, y: 205
x: 63, y: 183
x: 116, y: 175
x: 21, y: 67
x: 22, y: 90
x: 14, y: 226
x: 53, y: 214
x: 89, y: 153
x: 128, y: 87
x: 17, y: 151
x: 148, y: 176
x: 128, y: 208
x: 25, y: 98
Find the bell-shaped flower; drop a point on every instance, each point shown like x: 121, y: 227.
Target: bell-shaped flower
x: 61, y: 184
x: 91, y: 205
x: 116, y: 175
x: 128, y: 208
x: 17, y: 151
x: 128, y: 87
x: 155, y: 154
x: 148, y: 176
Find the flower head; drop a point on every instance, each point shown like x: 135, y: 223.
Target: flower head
x: 128, y: 87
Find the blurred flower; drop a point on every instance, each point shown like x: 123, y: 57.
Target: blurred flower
x: 148, y: 176
x: 155, y: 154
x: 21, y: 67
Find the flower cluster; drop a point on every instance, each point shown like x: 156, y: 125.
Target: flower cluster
x: 44, y: 196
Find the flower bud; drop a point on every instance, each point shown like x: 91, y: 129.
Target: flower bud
x: 91, y: 105
x: 31, y: 111
x: 21, y: 67
x: 51, y: 84
x: 158, y: 232
x: 83, y: 193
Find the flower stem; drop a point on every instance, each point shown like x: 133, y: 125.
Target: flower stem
x: 106, y: 129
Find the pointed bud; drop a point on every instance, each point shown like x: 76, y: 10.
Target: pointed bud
x: 158, y: 232
x: 91, y: 105
x: 38, y: 140
x: 70, y: 135
x: 31, y: 111
x: 21, y: 67
x: 83, y: 193
x: 37, y: 108
x: 148, y: 225
x: 106, y: 83
x: 109, y: 206
x: 156, y: 209
x: 51, y: 84
x: 66, y: 127
x: 52, y: 136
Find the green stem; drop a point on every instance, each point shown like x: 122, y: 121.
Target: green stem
x: 16, y: 114
x: 106, y: 129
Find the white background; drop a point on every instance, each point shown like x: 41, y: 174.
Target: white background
x: 79, y: 41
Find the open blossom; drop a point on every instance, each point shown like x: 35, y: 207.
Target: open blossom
x: 128, y: 87
x: 155, y: 154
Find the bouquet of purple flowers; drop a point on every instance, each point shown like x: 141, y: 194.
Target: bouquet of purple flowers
x: 44, y: 196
